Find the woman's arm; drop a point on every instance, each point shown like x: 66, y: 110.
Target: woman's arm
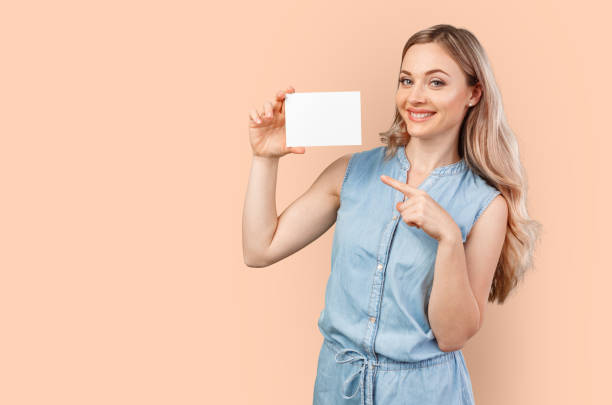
x: 266, y: 238
x: 463, y: 276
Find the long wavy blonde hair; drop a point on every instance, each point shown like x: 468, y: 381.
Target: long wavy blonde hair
x: 489, y: 148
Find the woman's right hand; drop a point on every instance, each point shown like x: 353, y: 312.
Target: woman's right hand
x: 267, y: 129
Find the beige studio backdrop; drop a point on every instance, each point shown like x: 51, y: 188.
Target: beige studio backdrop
x: 124, y: 164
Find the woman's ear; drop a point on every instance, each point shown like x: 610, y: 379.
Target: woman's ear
x: 476, y: 94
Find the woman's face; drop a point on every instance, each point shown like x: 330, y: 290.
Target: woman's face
x: 444, y: 93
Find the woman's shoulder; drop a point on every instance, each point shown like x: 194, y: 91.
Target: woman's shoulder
x: 351, y: 166
x: 479, y: 192
x: 474, y: 182
x: 371, y: 156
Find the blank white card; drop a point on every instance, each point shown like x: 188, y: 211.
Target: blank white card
x: 323, y: 118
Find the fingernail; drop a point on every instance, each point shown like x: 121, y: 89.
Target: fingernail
x: 258, y: 121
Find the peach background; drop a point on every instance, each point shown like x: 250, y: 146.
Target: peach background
x: 124, y: 164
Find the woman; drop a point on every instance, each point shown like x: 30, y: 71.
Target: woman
x: 428, y: 228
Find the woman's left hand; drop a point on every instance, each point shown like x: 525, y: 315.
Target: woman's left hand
x: 422, y: 211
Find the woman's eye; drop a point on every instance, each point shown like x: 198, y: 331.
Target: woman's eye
x: 404, y: 79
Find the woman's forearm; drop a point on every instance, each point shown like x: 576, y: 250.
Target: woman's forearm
x: 453, y: 310
x: 259, y: 219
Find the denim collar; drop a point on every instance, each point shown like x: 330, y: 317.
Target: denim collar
x: 447, y: 170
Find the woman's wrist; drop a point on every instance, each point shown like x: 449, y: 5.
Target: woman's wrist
x: 266, y: 158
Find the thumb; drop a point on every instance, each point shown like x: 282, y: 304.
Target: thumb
x: 297, y: 149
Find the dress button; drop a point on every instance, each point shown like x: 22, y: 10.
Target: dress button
x: 372, y: 319
x: 379, y: 266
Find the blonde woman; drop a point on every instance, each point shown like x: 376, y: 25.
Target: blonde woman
x: 429, y: 227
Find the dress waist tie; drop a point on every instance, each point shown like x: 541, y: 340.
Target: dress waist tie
x: 350, y: 355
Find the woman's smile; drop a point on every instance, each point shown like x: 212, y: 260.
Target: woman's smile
x: 420, y: 117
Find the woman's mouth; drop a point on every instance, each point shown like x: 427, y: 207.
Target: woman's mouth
x: 420, y: 117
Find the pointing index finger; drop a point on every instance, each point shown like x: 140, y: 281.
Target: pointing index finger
x: 398, y: 185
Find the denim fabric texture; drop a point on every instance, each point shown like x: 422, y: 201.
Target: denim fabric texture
x: 378, y: 347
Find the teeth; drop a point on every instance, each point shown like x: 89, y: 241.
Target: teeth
x: 422, y: 115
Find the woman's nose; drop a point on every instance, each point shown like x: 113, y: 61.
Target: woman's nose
x: 416, y: 95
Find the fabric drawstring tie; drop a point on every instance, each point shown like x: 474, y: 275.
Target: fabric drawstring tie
x: 350, y: 355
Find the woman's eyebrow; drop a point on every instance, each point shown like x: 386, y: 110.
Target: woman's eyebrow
x: 426, y: 73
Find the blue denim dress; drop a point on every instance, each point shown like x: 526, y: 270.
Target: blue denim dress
x: 378, y: 347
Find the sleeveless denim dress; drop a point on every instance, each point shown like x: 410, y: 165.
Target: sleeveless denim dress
x: 378, y: 347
